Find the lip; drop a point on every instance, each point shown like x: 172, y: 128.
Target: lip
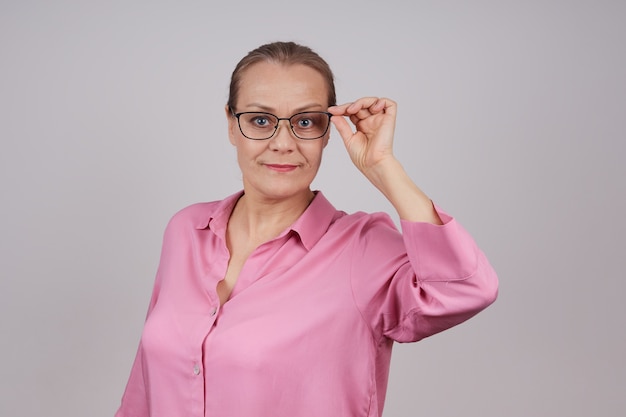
x: 281, y: 167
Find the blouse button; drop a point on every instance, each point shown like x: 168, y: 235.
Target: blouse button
x: 213, y: 311
x: 196, y: 369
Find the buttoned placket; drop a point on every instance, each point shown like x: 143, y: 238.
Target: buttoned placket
x: 197, y: 366
x: 198, y: 372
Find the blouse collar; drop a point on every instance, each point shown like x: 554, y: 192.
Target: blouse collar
x: 310, y: 226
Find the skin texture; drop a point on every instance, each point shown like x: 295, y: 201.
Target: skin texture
x: 266, y: 165
x: 277, y: 172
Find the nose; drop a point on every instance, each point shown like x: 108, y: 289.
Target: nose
x: 284, y: 139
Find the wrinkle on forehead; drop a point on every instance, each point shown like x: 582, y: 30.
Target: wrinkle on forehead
x: 277, y: 88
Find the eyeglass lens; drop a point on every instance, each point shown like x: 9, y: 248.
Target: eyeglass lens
x: 306, y: 125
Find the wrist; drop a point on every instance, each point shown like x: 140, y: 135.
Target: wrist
x: 411, y: 203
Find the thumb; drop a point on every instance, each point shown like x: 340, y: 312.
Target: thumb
x: 343, y: 127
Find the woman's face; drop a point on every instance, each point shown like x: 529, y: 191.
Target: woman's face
x: 282, y: 166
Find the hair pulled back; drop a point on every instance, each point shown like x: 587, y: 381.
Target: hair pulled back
x: 284, y: 53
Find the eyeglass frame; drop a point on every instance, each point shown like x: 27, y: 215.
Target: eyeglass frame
x: 278, y: 119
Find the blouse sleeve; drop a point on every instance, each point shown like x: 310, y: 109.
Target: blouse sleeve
x: 426, y: 280
x: 135, y: 398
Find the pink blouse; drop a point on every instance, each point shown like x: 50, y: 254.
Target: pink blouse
x: 309, y: 326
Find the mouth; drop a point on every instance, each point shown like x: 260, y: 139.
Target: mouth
x: 281, y: 167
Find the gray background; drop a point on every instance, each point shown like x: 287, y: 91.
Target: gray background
x: 511, y: 117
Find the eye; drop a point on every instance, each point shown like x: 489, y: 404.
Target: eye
x: 305, y: 122
x: 260, y: 121
x: 308, y: 120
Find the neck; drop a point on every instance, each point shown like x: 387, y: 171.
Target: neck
x: 263, y: 219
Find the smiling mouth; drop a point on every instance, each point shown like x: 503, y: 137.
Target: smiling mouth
x: 281, y: 167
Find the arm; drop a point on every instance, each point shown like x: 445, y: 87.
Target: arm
x: 433, y: 276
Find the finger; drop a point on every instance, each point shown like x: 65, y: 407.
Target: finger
x: 361, y: 107
x: 352, y: 107
x: 343, y: 127
x: 354, y: 117
x: 360, y: 115
x: 384, y: 105
x: 378, y: 106
x: 339, y: 110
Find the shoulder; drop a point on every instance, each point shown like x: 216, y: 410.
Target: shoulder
x: 363, y: 219
x: 367, y: 226
x: 194, y: 215
x: 198, y: 215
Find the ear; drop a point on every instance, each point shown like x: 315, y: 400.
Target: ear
x: 233, y: 126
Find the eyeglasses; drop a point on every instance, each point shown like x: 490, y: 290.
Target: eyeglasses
x: 306, y: 125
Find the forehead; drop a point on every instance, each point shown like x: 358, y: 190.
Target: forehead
x: 282, y: 87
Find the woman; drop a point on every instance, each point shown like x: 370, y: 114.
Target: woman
x: 273, y: 303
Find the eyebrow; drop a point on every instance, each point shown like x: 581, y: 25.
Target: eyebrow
x: 268, y: 109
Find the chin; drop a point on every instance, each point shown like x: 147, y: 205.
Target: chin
x: 279, y: 187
